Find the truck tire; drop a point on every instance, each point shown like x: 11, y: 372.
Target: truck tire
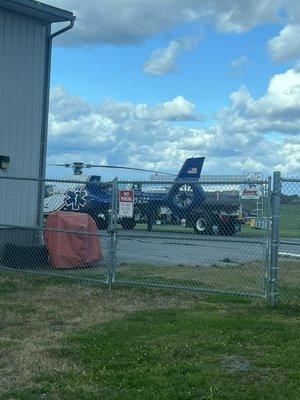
x: 202, y: 225
x: 128, y: 223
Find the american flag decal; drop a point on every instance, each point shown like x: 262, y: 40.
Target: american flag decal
x: 193, y: 170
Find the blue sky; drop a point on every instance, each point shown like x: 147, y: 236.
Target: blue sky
x: 204, y: 76
x: 229, y: 77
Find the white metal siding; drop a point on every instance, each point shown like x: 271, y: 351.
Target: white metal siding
x: 22, y: 73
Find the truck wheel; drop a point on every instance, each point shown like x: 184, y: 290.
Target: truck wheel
x: 128, y: 223
x: 202, y: 226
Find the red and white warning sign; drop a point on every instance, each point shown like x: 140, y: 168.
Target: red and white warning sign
x: 250, y: 192
x: 126, y: 203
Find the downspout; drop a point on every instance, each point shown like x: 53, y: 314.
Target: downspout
x: 65, y: 29
x: 45, y: 113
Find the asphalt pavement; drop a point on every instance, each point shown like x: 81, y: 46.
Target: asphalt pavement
x: 167, y: 249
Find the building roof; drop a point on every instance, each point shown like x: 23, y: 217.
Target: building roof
x: 36, y: 9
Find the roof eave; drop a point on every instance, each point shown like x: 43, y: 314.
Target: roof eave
x: 36, y: 9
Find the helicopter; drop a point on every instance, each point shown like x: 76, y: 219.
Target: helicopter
x: 89, y: 194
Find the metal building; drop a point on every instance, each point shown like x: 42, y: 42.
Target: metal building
x: 25, y: 57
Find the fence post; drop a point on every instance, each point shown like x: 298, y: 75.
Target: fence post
x: 113, y: 233
x: 267, y: 210
x: 275, y: 215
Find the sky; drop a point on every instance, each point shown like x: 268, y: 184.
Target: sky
x: 150, y: 83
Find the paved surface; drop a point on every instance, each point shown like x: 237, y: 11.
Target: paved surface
x: 189, y: 249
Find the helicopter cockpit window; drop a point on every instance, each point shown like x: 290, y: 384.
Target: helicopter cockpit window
x: 49, y: 191
x: 95, y: 178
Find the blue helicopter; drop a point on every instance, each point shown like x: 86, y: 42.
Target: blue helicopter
x: 94, y: 197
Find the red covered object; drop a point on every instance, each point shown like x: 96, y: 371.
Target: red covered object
x: 72, y: 240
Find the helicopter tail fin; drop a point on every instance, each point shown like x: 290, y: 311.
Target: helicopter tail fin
x: 191, y: 169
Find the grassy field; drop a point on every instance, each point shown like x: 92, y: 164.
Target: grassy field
x: 290, y: 220
x: 65, y: 341
x: 247, y: 278
x: 226, y: 277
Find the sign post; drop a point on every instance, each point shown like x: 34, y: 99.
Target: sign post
x: 126, y: 203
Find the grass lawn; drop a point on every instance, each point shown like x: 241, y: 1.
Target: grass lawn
x: 290, y: 220
x: 65, y: 341
x: 226, y: 277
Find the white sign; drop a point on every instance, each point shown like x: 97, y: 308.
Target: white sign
x: 251, y: 192
x: 126, y: 201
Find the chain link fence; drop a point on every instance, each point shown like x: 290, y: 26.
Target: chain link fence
x: 218, y: 236
x: 196, y: 236
x: 289, y: 240
x: 27, y: 237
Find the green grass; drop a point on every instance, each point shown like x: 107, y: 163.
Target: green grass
x: 232, y: 278
x: 64, y: 341
x: 225, y: 277
x: 290, y: 220
x: 247, y: 278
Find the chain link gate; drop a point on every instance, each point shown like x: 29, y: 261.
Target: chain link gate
x: 193, y: 236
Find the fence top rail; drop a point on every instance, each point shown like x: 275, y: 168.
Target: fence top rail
x: 145, y: 182
x: 286, y: 179
x: 201, y: 181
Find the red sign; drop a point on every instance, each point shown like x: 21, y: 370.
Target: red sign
x: 250, y: 192
x: 126, y: 196
x: 126, y: 199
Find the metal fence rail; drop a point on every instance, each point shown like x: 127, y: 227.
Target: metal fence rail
x: 201, y: 236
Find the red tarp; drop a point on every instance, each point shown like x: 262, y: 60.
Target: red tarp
x: 68, y: 249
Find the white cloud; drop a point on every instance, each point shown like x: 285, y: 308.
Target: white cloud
x: 142, y: 136
x: 178, y: 109
x: 67, y: 107
x: 239, y: 62
x: 164, y: 61
x: 285, y: 46
x: 121, y: 22
x: 67, y: 157
x: 238, y: 66
x: 114, y: 130
x: 277, y: 111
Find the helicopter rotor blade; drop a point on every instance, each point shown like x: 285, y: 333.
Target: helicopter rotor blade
x: 60, y: 165
x: 132, y: 169
x: 68, y: 165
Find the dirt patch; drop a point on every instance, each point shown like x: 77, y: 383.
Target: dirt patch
x: 235, y: 364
